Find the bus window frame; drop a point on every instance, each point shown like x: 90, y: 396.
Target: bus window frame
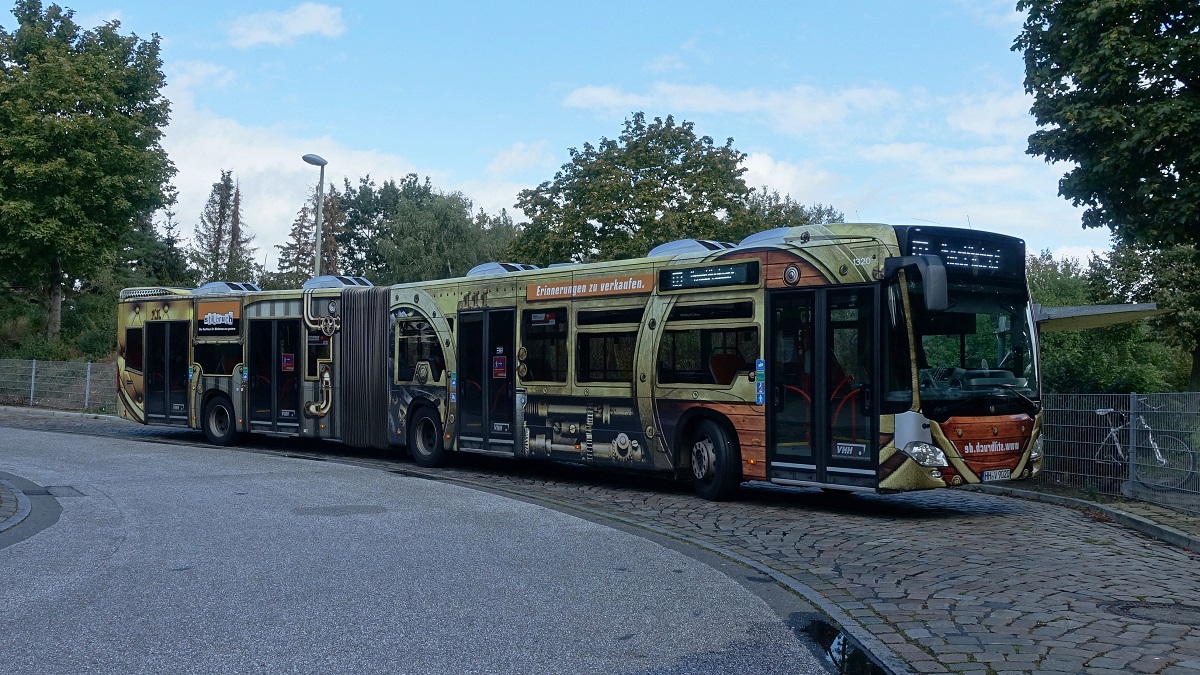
x: 569, y: 317
x: 752, y: 321
x: 141, y: 364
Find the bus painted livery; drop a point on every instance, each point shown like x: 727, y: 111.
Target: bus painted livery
x: 843, y: 356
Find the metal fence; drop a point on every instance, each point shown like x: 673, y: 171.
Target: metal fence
x: 1087, y: 443
x: 62, y: 385
x: 1138, y: 446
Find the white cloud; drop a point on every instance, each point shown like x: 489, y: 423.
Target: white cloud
x: 520, y: 157
x: 191, y: 75
x: 797, y: 111
x: 1001, y: 14
x: 995, y: 115
x: 804, y: 183
x: 283, y: 28
x: 1083, y: 254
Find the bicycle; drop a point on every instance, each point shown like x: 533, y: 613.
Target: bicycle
x: 1173, y: 462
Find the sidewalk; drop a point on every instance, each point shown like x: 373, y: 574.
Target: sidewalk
x: 14, y: 505
x: 1168, y: 525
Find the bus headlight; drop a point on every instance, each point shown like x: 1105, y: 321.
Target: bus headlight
x: 925, y: 454
x: 1035, y: 453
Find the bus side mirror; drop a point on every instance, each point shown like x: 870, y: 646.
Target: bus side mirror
x: 933, y: 278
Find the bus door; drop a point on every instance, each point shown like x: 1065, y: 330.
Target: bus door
x: 821, y: 377
x: 274, y: 352
x: 485, y: 380
x: 166, y: 370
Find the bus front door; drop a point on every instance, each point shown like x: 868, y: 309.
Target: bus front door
x: 166, y: 364
x: 485, y: 380
x: 822, y: 355
x: 274, y: 376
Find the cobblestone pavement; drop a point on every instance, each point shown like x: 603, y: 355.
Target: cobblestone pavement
x: 947, y: 581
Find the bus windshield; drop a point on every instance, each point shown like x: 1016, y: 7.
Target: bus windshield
x: 977, y: 357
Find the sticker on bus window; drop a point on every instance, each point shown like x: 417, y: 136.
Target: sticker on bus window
x: 499, y: 367
x: 851, y: 450
x: 287, y: 362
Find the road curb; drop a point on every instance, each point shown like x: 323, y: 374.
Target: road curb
x: 1144, y: 525
x: 58, y: 413
x: 23, y: 506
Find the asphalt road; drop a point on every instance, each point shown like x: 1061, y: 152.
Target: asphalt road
x: 179, y: 558
x: 938, y: 581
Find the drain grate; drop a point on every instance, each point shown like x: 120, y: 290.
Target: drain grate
x: 1158, y: 612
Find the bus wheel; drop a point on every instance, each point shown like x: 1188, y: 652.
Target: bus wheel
x: 425, y: 438
x: 219, y: 421
x: 716, y: 466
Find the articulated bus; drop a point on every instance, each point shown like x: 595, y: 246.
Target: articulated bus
x: 857, y: 357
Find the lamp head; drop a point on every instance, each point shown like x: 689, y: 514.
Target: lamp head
x: 315, y: 160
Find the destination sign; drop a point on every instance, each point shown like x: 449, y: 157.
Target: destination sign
x: 709, y: 276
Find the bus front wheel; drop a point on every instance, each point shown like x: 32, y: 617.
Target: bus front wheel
x: 425, y: 438
x: 218, y: 421
x: 716, y: 465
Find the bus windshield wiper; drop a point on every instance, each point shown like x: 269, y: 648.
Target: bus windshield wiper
x: 1034, y: 406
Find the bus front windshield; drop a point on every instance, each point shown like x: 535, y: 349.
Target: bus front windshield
x: 979, y: 356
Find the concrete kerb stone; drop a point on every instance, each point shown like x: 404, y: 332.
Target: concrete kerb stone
x: 1146, y: 526
x: 58, y: 413
x: 23, y: 506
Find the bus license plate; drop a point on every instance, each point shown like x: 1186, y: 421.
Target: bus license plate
x: 997, y: 474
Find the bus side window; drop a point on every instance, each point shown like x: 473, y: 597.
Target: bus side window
x: 605, y: 357
x: 133, y: 348
x: 706, y: 356
x: 544, y: 336
x: 417, y: 341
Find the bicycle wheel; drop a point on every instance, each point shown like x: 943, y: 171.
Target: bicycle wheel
x: 1177, y: 465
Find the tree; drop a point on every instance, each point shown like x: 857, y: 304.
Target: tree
x: 434, y: 235
x: 656, y: 182
x: 766, y: 209
x: 81, y: 117
x: 366, y: 209
x: 221, y: 244
x: 1116, y: 89
x: 1117, y: 359
x: 296, y: 256
x: 1168, y: 277
x: 333, y: 225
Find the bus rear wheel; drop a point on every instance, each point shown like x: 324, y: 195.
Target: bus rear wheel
x: 218, y: 421
x: 425, y: 438
x: 716, y: 463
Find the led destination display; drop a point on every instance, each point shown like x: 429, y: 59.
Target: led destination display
x: 709, y: 276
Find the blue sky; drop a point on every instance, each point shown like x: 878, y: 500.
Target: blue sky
x: 892, y: 112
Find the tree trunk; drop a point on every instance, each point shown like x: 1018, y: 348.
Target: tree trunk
x: 54, y: 323
x: 1194, y: 380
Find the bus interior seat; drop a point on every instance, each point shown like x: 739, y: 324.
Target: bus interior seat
x: 725, y: 365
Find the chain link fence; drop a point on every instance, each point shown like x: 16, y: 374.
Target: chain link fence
x: 1138, y: 446
x: 62, y: 385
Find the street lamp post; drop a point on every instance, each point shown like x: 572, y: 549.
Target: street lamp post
x: 317, y: 160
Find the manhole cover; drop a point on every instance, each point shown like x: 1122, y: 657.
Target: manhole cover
x: 1159, y: 612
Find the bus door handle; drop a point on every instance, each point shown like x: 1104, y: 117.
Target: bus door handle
x: 777, y: 397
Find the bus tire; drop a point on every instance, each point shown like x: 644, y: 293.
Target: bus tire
x: 716, y: 462
x: 219, y: 421
x: 425, y: 438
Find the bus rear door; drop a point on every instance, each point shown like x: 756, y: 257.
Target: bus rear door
x: 167, y: 362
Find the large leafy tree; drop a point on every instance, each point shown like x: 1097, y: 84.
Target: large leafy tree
x: 657, y: 182
x: 431, y: 234
x: 1116, y: 86
x: 1168, y: 277
x: 1117, y: 359
x: 81, y: 117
